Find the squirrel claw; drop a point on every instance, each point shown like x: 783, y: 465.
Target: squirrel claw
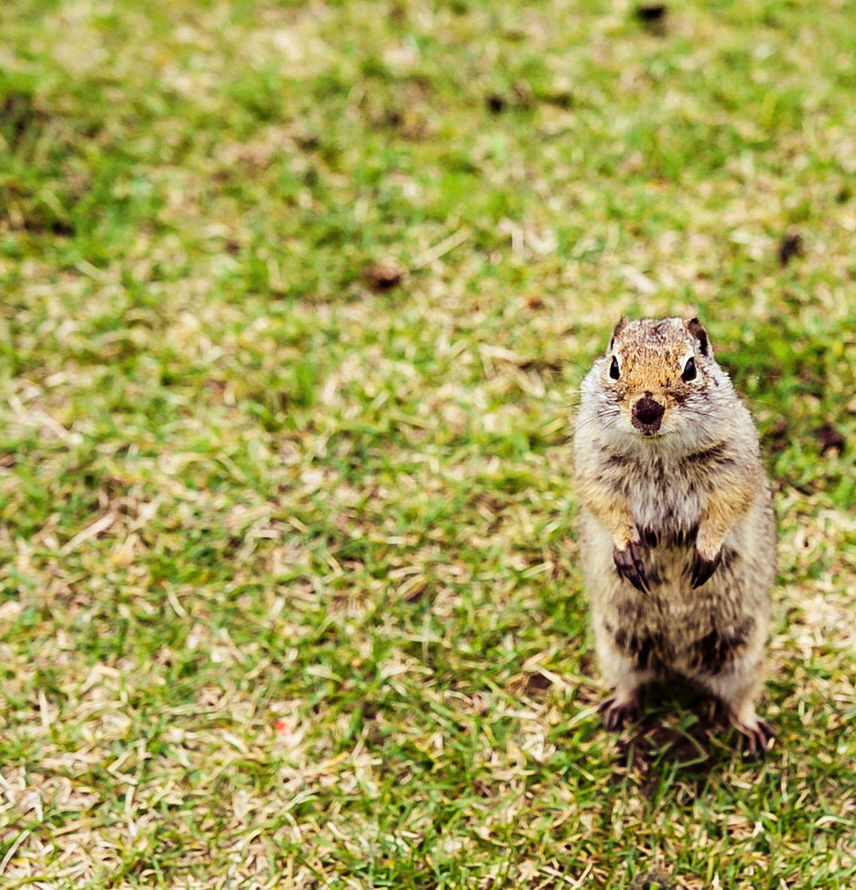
x: 616, y: 713
x: 702, y: 568
x: 628, y: 562
x: 757, y: 738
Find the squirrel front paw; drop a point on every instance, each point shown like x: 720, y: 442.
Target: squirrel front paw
x: 702, y: 568
x: 628, y: 562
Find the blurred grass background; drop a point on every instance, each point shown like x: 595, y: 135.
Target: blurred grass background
x: 295, y: 298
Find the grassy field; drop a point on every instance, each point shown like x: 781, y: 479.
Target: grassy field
x: 294, y: 302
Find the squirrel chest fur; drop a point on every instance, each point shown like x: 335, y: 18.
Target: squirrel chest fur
x: 677, y: 534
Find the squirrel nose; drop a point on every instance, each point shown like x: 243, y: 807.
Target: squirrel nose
x: 647, y: 415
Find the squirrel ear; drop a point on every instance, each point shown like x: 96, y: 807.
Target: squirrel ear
x: 622, y: 324
x: 696, y: 328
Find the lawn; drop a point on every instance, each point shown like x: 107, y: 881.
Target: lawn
x: 295, y: 299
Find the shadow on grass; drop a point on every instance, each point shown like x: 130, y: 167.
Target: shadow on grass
x: 684, y: 735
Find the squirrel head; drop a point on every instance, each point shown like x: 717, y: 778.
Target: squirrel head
x: 654, y: 368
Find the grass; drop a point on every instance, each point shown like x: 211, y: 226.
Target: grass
x: 295, y: 301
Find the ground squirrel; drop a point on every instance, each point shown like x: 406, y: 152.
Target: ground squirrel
x: 677, y: 533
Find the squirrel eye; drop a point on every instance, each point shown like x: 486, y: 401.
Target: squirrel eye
x: 689, y: 372
x: 614, y: 371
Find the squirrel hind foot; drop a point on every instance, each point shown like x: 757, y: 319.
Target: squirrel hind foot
x: 618, y: 711
x: 758, y: 739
